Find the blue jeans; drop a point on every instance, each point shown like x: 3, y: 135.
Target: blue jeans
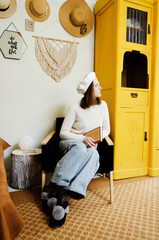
x: 77, y: 167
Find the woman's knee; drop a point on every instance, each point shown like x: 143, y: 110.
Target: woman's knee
x: 94, y: 153
x: 67, y: 145
x: 80, y: 146
x: 94, y: 157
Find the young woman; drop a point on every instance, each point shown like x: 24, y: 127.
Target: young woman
x: 80, y: 159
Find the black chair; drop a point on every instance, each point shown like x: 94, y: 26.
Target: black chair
x: 51, y: 155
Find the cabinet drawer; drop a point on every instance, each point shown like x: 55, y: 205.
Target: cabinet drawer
x: 134, y: 98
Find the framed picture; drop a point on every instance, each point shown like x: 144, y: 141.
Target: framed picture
x: 29, y: 25
x: 12, y: 44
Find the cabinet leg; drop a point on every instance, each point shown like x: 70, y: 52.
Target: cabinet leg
x: 111, y: 186
x: 43, y: 179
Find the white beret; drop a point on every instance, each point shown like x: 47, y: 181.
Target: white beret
x: 85, y: 82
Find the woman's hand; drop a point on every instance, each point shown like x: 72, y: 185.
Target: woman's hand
x: 89, y: 142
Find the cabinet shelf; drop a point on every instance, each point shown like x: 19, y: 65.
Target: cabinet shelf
x: 135, y: 29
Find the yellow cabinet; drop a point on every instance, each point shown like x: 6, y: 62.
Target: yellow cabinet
x: 123, y: 67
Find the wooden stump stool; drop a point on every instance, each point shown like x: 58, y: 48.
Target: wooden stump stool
x: 25, y: 169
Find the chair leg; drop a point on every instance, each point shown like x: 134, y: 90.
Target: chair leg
x: 43, y: 179
x: 111, y: 187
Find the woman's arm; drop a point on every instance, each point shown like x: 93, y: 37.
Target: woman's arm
x: 70, y: 118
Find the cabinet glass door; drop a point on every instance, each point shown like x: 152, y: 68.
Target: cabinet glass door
x: 136, y: 26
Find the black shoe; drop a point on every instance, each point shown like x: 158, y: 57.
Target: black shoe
x: 49, y: 199
x: 74, y: 195
x: 59, y: 214
x: 49, y: 204
x: 55, y: 189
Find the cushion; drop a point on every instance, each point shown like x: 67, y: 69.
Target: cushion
x: 59, y: 122
x: 11, y: 222
x: 50, y: 152
x: 106, y: 157
x: 4, y: 144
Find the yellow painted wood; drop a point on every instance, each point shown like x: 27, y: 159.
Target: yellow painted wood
x: 129, y: 116
x: 153, y: 166
x: 134, y: 98
x: 133, y: 150
x: 105, y: 54
x: 128, y: 173
x: 105, y: 46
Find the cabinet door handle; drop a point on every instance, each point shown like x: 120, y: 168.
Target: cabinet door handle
x: 134, y: 95
x: 149, y: 29
x: 145, y: 138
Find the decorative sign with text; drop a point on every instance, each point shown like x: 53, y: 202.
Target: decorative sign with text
x: 12, y: 44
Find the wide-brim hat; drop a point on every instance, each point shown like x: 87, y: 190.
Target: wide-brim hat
x: 76, y: 17
x: 7, y: 9
x: 38, y: 10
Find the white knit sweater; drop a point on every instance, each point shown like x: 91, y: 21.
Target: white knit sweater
x: 79, y: 120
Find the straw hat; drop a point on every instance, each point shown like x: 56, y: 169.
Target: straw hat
x: 38, y: 10
x: 7, y: 8
x: 76, y: 17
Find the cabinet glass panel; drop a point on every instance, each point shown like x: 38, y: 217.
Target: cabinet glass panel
x: 136, y: 26
x: 134, y: 74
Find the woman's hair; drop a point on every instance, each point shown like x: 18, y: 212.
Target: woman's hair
x: 89, y: 99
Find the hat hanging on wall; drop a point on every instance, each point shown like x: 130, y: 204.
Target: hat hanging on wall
x: 7, y: 8
x: 38, y: 10
x: 76, y: 17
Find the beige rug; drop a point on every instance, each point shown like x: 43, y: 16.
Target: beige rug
x: 134, y: 214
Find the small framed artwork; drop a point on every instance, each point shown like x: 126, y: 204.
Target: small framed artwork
x: 12, y: 44
x: 29, y: 25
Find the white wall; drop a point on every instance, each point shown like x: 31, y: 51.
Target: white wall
x: 30, y: 100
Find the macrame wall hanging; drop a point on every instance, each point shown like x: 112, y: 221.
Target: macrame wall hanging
x: 56, y: 57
